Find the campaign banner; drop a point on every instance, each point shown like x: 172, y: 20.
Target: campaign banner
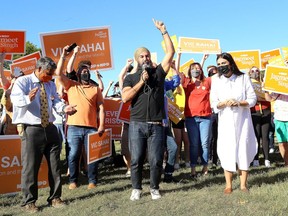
x: 245, y: 59
x: 257, y: 86
x: 185, y: 67
x: 285, y: 52
x: 176, y: 104
x: 12, y: 41
x: 277, y: 61
x: 10, y: 165
x: 174, y: 41
x: 265, y: 56
x: 95, y: 45
x: 36, y: 55
x: 7, y: 74
x: 111, y: 112
x: 124, y: 112
x: 199, y: 45
x: 99, y: 147
x: 26, y: 66
x: 8, y: 57
x: 276, y: 79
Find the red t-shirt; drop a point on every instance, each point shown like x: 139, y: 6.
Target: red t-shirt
x: 197, y: 98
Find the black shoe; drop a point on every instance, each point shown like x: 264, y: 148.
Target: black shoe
x: 170, y: 179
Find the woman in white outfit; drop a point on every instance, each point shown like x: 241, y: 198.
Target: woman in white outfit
x: 232, y: 95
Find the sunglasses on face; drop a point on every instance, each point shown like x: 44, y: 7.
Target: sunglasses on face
x: 253, y: 71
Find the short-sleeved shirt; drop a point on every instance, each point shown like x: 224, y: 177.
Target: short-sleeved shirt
x: 86, y: 97
x: 148, y: 104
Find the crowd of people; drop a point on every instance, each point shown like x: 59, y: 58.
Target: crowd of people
x: 226, y: 119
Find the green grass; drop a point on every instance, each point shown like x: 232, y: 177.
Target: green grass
x: 268, y: 195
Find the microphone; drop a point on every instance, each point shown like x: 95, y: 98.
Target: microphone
x: 145, y: 66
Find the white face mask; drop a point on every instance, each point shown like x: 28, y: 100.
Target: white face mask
x: 195, y: 73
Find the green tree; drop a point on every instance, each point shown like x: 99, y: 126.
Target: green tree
x: 30, y: 48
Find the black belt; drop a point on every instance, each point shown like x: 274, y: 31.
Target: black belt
x: 38, y: 125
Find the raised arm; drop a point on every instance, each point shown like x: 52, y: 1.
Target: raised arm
x: 99, y: 80
x: 107, y: 90
x: 3, y: 80
x: 71, y: 61
x: 123, y: 72
x: 60, y: 68
x: 204, y: 58
x: 166, y: 62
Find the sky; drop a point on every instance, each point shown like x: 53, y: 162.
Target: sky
x: 238, y: 25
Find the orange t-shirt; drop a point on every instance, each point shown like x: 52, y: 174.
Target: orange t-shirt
x: 87, y: 98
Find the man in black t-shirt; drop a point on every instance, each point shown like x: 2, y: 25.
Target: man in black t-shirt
x: 145, y: 90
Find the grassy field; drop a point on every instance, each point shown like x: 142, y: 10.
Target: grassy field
x: 204, y: 196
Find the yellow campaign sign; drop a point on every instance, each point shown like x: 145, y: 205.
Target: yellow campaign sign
x: 174, y: 41
x: 276, y: 79
x: 276, y: 61
x: 176, y: 105
x: 285, y: 52
x: 265, y: 56
x: 185, y: 67
x: 245, y: 59
x: 258, y: 88
x: 199, y: 45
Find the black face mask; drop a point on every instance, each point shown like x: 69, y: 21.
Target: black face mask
x: 85, y: 77
x: 223, y: 69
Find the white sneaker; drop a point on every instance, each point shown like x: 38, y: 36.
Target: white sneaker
x: 187, y: 165
x: 271, y: 150
x: 135, y: 195
x: 176, y: 166
x: 155, y: 194
x: 256, y: 163
x: 267, y: 163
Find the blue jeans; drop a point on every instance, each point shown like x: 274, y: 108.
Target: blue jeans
x: 198, y: 129
x: 77, y: 136
x: 143, y: 136
x: 171, y: 147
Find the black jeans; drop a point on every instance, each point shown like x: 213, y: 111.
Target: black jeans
x: 144, y: 136
x: 261, y: 124
x: 36, y: 142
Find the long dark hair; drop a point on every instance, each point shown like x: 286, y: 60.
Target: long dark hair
x: 235, y: 70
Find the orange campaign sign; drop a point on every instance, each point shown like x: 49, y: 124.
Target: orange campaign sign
x: 10, y: 165
x: 26, y: 66
x: 36, y: 55
x: 12, y: 41
x: 174, y: 41
x: 265, y: 56
x: 95, y: 45
x: 246, y: 59
x: 8, y: 57
x: 185, y: 67
x: 111, y: 112
x: 124, y: 112
x: 199, y: 45
x: 99, y: 147
x: 276, y: 79
x: 7, y: 74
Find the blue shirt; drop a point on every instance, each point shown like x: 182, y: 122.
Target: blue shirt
x: 26, y: 111
x: 169, y: 85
